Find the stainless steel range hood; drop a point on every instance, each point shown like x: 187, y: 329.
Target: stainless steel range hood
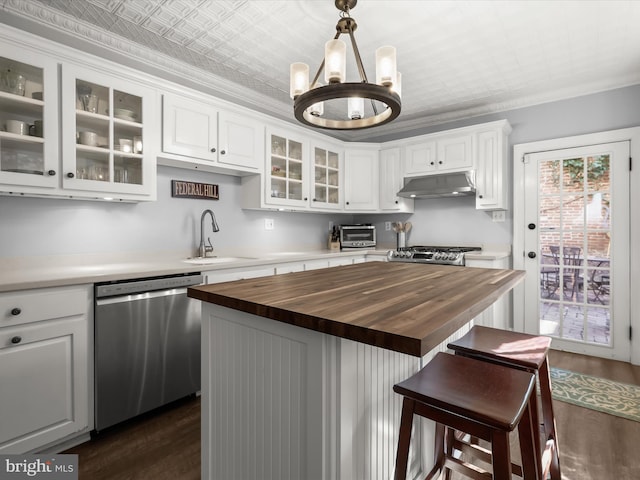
x: 440, y: 185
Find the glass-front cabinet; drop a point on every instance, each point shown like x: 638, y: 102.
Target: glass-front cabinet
x: 28, y: 121
x: 327, y: 177
x: 286, y: 174
x: 106, y: 140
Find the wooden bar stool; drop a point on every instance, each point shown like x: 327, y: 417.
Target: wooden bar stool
x: 524, y: 352
x: 485, y: 400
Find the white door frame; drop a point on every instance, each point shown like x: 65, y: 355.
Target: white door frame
x: 627, y: 134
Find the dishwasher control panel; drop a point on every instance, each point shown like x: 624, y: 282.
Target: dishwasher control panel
x: 128, y: 287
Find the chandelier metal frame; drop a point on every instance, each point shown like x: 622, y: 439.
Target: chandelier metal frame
x: 345, y: 90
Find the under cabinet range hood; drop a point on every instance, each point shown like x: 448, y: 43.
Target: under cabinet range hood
x: 452, y: 184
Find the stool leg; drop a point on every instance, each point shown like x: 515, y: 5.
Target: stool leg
x: 528, y: 435
x: 500, y: 455
x: 404, y: 438
x: 549, y: 418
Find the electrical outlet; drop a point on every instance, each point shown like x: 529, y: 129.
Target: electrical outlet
x: 387, y: 226
x: 499, y: 216
x: 268, y: 224
x: 330, y: 226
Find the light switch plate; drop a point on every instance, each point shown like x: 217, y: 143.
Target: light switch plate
x: 268, y: 224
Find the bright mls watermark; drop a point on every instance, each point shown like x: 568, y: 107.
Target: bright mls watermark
x: 51, y: 467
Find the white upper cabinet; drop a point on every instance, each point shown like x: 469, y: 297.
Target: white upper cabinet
x: 199, y: 130
x: 361, y: 169
x: 327, y: 176
x: 107, y: 138
x: 392, y: 181
x: 440, y: 154
x: 492, y: 181
x: 29, y: 112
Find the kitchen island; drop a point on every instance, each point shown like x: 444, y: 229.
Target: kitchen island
x: 298, y: 369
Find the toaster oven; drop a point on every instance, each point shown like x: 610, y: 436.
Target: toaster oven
x: 357, y: 236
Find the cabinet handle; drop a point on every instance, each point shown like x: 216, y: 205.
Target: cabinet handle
x: 70, y: 175
x: 222, y: 152
x: 213, y: 150
x: 16, y: 339
x: 52, y: 173
x: 16, y: 311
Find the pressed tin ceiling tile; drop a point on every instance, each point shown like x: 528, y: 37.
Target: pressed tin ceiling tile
x: 453, y: 55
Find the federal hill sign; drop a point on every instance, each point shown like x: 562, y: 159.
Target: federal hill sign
x: 207, y: 191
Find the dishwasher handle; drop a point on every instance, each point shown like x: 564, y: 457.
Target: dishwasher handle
x: 143, y: 285
x: 140, y: 296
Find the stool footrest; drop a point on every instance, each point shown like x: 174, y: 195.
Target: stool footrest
x: 481, y: 453
x: 468, y: 469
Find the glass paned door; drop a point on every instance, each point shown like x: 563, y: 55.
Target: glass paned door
x: 580, y: 198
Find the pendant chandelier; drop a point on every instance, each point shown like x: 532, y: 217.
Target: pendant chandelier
x: 345, y: 109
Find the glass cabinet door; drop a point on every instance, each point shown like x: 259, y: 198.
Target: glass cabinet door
x: 326, y: 186
x: 28, y: 126
x: 286, y: 178
x: 105, y: 149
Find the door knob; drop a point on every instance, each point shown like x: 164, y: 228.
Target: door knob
x: 531, y: 254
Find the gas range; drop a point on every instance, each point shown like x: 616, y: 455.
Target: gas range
x: 431, y: 254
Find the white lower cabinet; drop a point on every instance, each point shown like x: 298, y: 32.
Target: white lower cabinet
x: 45, y: 367
x: 498, y: 314
x: 219, y: 276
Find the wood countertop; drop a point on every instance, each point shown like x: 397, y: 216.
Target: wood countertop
x: 408, y: 308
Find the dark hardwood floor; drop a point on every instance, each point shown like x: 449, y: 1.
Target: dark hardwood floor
x: 166, y: 444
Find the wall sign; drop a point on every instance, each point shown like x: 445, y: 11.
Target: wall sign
x: 182, y: 189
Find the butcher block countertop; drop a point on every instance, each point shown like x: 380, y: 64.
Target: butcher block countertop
x: 407, y: 308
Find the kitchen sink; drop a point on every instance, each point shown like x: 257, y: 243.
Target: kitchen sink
x: 215, y: 260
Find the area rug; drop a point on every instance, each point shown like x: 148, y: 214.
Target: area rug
x: 614, y: 398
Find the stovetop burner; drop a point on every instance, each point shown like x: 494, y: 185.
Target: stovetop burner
x: 431, y: 254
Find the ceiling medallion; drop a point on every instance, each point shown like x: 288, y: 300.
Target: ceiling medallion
x: 350, y: 105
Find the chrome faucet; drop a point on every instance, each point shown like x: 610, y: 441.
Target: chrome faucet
x: 204, y: 249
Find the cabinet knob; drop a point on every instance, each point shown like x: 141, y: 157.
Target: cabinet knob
x: 532, y: 226
x: 531, y: 255
x: 440, y: 162
x: 347, y: 203
x: 307, y: 198
x: 222, y: 152
x: 480, y: 195
x: 70, y: 175
x: 213, y: 150
x: 16, y: 339
x: 16, y: 311
x: 396, y: 202
x: 52, y: 173
x: 432, y: 163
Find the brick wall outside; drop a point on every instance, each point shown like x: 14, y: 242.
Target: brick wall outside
x: 576, y: 203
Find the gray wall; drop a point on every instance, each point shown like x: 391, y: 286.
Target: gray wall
x: 455, y: 221
x: 35, y: 226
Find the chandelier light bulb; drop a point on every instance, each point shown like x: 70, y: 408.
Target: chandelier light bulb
x: 356, y: 108
x: 397, y: 85
x: 386, y: 66
x: 298, y: 79
x: 335, y: 61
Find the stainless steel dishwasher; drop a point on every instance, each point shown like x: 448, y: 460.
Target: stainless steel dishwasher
x: 147, y: 345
